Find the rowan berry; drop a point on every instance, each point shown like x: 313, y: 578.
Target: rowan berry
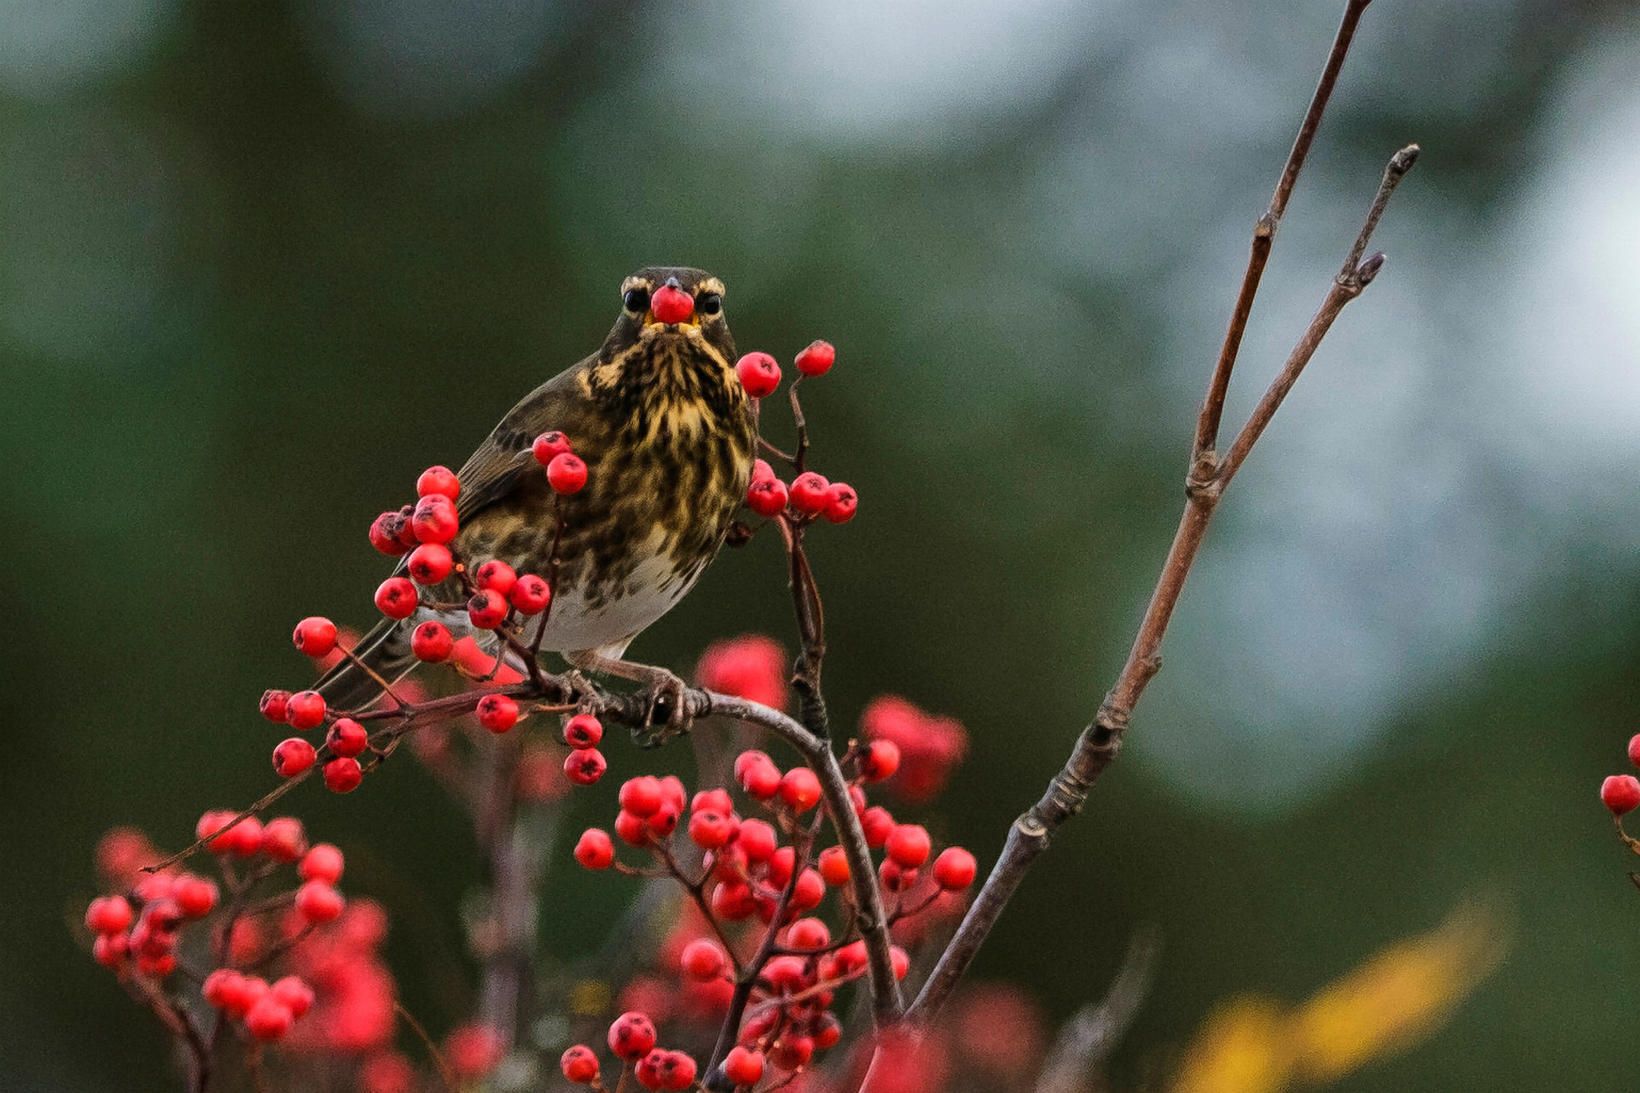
x: 430, y: 563
x: 757, y: 840
x: 743, y: 1066
x: 834, y: 866
x: 641, y: 796
x: 487, y: 609
x: 567, y: 473
x: 497, y: 576
x: 595, y: 849
x: 878, y: 824
x: 322, y: 862
x: 438, y: 480
x: 305, y: 710
x: 530, y: 595
x: 347, y: 738
x: 841, y: 503
x: 397, y: 598
x: 314, y: 636
x: 292, y: 757
x: 274, y: 705
x: 195, y: 896
x: 757, y: 774
x: 800, y: 789
x: 432, y: 641
x: 584, y: 766
x: 269, y: 1019
x: 317, y: 901
x: 109, y: 915
x: 343, y: 775
x: 583, y: 731
x: 294, y: 992
x: 548, y: 446
x: 710, y: 830
x: 580, y: 1065
x: 385, y: 534
x: 909, y: 845
x: 498, y: 713
x: 1620, y: 793
x: 759, y: 374
x: 879, y: 760
x: 671, y: 305
x: 632, y: 1036
x: 434, y: 519
x: 703, y: 959
x: 283, y: 839
x: 816, y: 358
x: 955, y: 869
x: 810, y: 493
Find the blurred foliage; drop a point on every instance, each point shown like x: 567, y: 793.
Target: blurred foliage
x: 260, y: 263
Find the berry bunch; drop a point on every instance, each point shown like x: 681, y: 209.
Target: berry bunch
x: 1620, y: 793
x: 271, y: 943
x: 759, y: 952
x: 809, y: 496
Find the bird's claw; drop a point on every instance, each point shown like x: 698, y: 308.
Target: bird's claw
x: 576, y: 687
x: 665, y: 698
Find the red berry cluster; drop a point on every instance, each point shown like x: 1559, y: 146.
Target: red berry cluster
x: 499, y: 599
x: 160, y: 923
x: 809, y: 496
x: 761, y: 890
x: 632, y: 1039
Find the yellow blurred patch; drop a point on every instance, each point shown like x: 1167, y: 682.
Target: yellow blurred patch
x: 1395, y: 999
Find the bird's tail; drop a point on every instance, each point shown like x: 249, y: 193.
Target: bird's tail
x: 386, y: 650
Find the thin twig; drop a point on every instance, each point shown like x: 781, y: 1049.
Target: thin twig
x: 1100, y: 741
x: 1089, y: 1036
x: 446, y: 1075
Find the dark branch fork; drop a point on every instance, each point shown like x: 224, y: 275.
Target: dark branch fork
x: 1206, y: 479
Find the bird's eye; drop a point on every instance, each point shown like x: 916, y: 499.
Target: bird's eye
x: 636, y: 299
x: 710, y: 304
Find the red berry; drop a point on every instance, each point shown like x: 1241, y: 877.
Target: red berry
x: 292, y: 757
x: 530, y: 595
x: 283, y: 839
x: 631, y: 829
x: 648, y: 1070
x: 757, y: 840
x: 879, y: 760
x: 498, y: 713
x: 792, y: 1051
x: 595, y: 849
x: 878, y: 823
x: 580, y: 1065
x: 909, y: 845
x: 761, y: 470
x: 347, y: 738
x: 438, y: 480
x: 766, y: 496
x: 703, y: 959
x: 810, y: 493
x: 1620, y: 793
x: 397, y: 598
x: 274, y: 705
x: 759, y: 374
x: 743, y: 1066
x: 109, y: 915
x: 430, y: 563
x: 734, y: 901
x: 548, y: 446
x: 955, y: 869
x: 809, y: 891
x: 497, y: 576
x: 710, y: 830
x: 487, y: 609
x: 671, y: 305
x: 632, y: 1036
x: 641, y: 796
x: 800, y: 789
x: 222, y: 988
x: 834, y: 866
x: 567, y: 473
x: 583, y: 731
x: 757, y: 775
x: 1634, y: 749
x: 808, y: 933
x: 323, y: 862
x: 841, y: 503
x: 317, y: 901
x: 432, y: 641
x: 713, y: 800
x: 294, y: 993
x: 269, y: 1019
x: 314, y: 636
x: 677, y: 1071
x: 829, y: 1033
x: 584, y: 766
x: 816, y: 359
x: 384, y: 534
x: 901, y: 961
x: 305, y: 710
x: 434, y: 519
x: 664, y: 820
x: 343, y: 775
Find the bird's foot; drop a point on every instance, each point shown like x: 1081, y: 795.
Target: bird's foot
x: 666, y: 708
x: 577, y: 688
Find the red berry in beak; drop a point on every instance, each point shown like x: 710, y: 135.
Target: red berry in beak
x: 671, y: 305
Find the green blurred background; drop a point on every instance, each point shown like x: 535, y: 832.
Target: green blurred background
x: 260, y: 263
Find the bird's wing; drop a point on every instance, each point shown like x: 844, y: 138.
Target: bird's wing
x: 494, y: 470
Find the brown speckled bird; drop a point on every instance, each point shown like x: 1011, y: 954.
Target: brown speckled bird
x: 669, y: 439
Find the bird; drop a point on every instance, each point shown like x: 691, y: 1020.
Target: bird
x: 669, y: 437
